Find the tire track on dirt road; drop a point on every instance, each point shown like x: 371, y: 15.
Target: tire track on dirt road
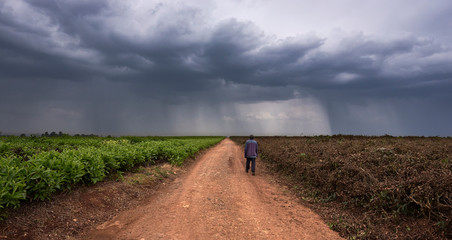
x: 216, y: 199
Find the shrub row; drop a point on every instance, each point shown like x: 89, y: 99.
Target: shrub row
x: 40, y: 175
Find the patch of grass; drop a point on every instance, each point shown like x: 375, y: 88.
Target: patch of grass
x: 117, y: 176
x: 160, y: 172
x: 139, y: 178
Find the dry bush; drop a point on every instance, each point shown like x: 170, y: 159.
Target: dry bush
x: 387, y: 179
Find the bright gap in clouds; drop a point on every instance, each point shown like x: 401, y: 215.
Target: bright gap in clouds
x: 289, y: 18
x: 291, y: 117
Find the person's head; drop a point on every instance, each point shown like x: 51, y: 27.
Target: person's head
x: 251, y: 136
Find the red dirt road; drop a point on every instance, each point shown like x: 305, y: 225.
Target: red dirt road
x: 216, y: 199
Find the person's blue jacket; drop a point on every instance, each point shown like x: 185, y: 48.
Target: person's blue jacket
x: 251, y: 149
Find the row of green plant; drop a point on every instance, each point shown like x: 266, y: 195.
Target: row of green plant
x: 37, y: 174
x: 27, y: 146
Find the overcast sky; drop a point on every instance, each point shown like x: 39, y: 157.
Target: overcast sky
x: 235, y: 67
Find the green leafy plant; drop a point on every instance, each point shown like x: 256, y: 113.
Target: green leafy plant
x: 36, y: 168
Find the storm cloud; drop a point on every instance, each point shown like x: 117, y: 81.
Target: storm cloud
x: 173, y: 68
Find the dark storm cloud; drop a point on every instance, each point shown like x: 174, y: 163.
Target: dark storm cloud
x: 28, y: 51
x: 74, y: 60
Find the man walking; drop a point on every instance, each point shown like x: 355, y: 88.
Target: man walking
x: 251, y: 154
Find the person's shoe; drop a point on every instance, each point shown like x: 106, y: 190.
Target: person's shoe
x: 253, y: 174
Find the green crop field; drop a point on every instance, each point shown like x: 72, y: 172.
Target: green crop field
x: 34, y: 168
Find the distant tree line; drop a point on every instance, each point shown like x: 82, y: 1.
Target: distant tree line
x: 52, y: 134
x: 61, y: 134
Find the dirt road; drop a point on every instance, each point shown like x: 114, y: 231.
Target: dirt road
x: 217, y: 199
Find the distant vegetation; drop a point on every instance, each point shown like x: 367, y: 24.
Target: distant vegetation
x: 51, y: 134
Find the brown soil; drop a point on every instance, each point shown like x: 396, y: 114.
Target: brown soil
x: 213, y: 198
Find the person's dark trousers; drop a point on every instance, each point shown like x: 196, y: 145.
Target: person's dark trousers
x: 253, y: 164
